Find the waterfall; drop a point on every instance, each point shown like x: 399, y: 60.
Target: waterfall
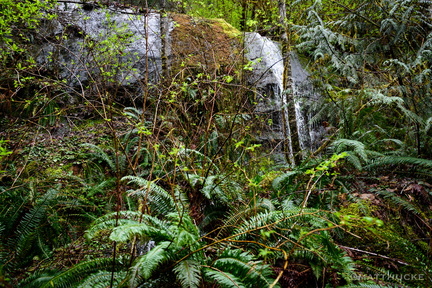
x: 267, y: 62
x: 306, y: 99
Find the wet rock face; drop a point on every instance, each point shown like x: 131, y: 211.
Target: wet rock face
x: 129, y: 49
x: 267, y: 77
x: 266, y: 64
x: 307, y: 103
x: 114, y: 45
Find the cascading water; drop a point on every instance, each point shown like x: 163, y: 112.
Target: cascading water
x: 267, y: 77
x: 305, y: 99
x: 268, y: 67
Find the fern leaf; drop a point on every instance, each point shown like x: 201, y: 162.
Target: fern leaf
x: 281, y: 180
x: 31, y: 220
x: 186, y: 151
x: 100, y: 154
x: 354, y: 160
x: 188, y: 273
x: 257, y: 221
x: 224, y: 279
x: 102, y: 279
x: 395, y: 160
x: 428, y: 125
x: 211, y: 189
x: 133, y: 113
x: 161, y: 200
x: 107, y: 225
x: 78, y: 272
x: 147, y: 264
x: 38, y: 279
x: 125, y: 233
x: 242, y: 264
x: 342, y: 145
x: 127, y: 214
x: 365, y: 285
x: 399, y: 202
x: 234, y: 218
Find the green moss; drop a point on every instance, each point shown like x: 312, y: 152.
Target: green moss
x: 32, y: 169
x: 227, y: 28
x: 90, y: 126
x: 55, y: 172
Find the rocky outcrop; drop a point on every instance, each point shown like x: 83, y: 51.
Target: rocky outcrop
x: 131, y: 51
x: 88, y: 44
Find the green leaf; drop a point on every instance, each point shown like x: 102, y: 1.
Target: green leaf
x: 189, y: 274
x: 145, y: 265
x: 224, y: 279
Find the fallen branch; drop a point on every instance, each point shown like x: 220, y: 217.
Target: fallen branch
x: 374, y: 254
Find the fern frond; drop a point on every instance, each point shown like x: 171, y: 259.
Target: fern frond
x: 101, y: 154
x: 224, y: 279
x: 107, y: 225
x: 266, y: 218
x: 428, y: 125
x: 345, y: 145
x: 100, y: 187
x: 396, y: 160
x: 397, y: 201
x: 335, y: 256
x: 188, y: 273
x: 186, y: 152
x: 127, y: 232
x: 365, y: 285
x: 102, y: 279
x: 159, y: 198
x: 133, y: 113
x: 145, y: 265
x: 26, y: 229
x: 212, y: 190
x: 289, y: 205
x: 38, y: 279
x: 78, y: 272
x: 126, y: 214
x: 186, y: 232
x: 242, y: 264
x: 240, y: 213
x: 31, y: 219
x: 354, y: 160
x: 282, y: 180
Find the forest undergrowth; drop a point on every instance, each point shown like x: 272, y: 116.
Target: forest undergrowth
x: 173, y: 189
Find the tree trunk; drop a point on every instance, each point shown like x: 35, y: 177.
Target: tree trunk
x: 164, y: 26
x: 292, y: 142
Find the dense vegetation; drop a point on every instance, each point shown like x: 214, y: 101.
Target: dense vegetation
x: 172, y: 189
